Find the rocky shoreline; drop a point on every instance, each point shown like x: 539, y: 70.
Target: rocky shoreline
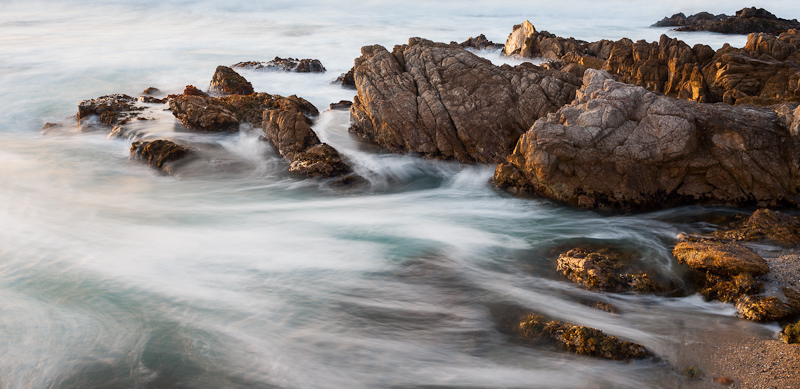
x: 616, y: 126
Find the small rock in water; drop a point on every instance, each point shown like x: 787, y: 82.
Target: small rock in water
x: 763, y: 308
x: 159, y: 153
x: 151, y: 91
x: 604, y: 270
x: 285, y: 64
x: 479, y: 43
x: 343, y: 105
x: 727, y: 259
x: 227, y: 82
x: 765, y: 225
x: 346, y: 80
x: 191, y: 90
x: 51, y: 126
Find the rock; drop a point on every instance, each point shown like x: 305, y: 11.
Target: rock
x: 51, y: 126
x: 441, y: 101
x: 765, y: 225
x: 151, y: 91
x: 191, y: 90
x: 620, y: 146
x: 320, y: 160
x: 250, y: 108
x: 111, y: 109
x: 288, y: 129
x: 343, y: 104
x: 286, y: 65
x: 763, y: 308
x: 479, y: 43
x: 227, y: 82
x: 580, y: 339
x: 152, y: 100
x: 726, y: 259
x: 729, y: 289
x: 346, y: 80
x: 790, y: 334
x: 159, y: 153
x: 746, y: 21
x: 680, y: 19
x: 203, y: 113
x: 722, y: 381
x: 604, y: 270
x: 765, y: 72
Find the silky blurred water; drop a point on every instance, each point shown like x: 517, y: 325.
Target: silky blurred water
x: 234, y: 274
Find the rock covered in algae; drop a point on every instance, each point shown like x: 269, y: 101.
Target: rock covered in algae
x: 159, y: 153
x: 790, y: 333
x: 723, y: 258
x: 580, y: 339
x: 765, y: 225
x: 759, y: 308
x: 604, y: 270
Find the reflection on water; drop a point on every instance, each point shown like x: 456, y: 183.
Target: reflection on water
x: 234, y: 274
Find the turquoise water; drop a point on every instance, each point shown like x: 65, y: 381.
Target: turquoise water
x: 234, y: 274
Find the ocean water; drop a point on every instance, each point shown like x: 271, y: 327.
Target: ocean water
x: 233, y: 274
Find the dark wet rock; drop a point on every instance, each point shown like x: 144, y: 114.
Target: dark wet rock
x: 722, y: 258
x: 227, y: 82
x: 604, y: 270
x: 159, y: 153
x: 111, y: 109
x: 764, y: 225
x: 679, y: 19
x: 759, y: 308
x: 790, y: 334
x: 285, y: 64
x: 580, y: 339
x: 320, y: 160
x: 343, y: 104
x: 479, y: 43
x: 346, y: 80
x: 765, y: 72
x: 203, y: 113
x: 605, y: 307
x: 746, y: 21
x: 288, y: 129
x: 151, y: 91
x: 441, y: 101
x: 618, y: 146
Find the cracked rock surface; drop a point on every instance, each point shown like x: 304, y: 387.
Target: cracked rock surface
x: 441, y: 101
x: 621, y: 146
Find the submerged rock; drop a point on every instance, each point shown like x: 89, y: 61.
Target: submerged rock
x: 159, y: 153
x: 764, y: 72
x: 580, y: 339
x: 765, y: 225
x: 620, y: 146
x: 441, y: 101
x: 763, y: 308
x: 227, y: 82
x: 111, y: 109
x: 604, y: 270
x: 285, y: 64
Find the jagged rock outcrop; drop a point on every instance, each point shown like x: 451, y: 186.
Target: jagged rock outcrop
x: 288, y: 129
x: 346, y: 80
x: 479, y: 43
x: 764, y: 225
x: 111, y: 109
x: 620, y: 146
x: 764, y: 72
x: 203, y: 113
x: 605, y: 271
x: 227, y: 82
x: 745, y: 21
x: 580, y: 339
x: 285, y: 64
x: 159, y: 153
x: 441, y: 101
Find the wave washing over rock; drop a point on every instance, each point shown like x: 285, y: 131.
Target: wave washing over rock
x: 273, y: 243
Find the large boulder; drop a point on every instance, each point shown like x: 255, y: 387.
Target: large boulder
x: 227, y: 82
x: 441, y: 101
x: 620, y: 146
